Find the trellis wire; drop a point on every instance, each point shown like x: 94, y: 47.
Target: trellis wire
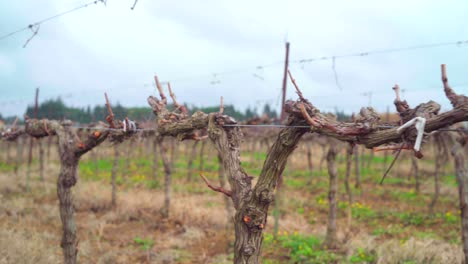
x: 260, y: 126
x: 240, y: 125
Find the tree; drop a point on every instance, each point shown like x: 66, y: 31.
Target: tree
x: 249, y: 113
x: 269, y: 112
x: 70, y: 152
x: 71, y: 149
x: 252, y: 202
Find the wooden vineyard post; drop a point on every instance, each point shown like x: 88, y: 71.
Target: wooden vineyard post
x: 8, y: 152
x: 167, y: 179
x: 310, y: 164
x: 115, y: 167
x: 128, y: 157
x: 324, y: 154
x: 415, y: 172
x: 19, y: 154
x: 331, y: 239
x: 95, y: 157
x: 49, y: 143
x: 201, y: 164
x: 193, y: 154
x: 439, y: 160
x: 28, y: 169
x: 41, y: 159
x: 285, y: 81
x: 155, y: 160
x: 459, y: 153
x: 349, y: 192
x: 385, y: 161
x: 357, y: 168
x: 174, y: 150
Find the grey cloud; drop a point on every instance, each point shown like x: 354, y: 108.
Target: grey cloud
x: 117, y: 50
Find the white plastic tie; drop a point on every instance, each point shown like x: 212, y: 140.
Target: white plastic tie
x: 129, y: 125
x: 419, y: 124
x: 132, y: 125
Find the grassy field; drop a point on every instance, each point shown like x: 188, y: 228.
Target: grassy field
x: 390, y: 222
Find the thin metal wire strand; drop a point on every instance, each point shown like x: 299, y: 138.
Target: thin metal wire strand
x: 383, y: 51
x: 260, y: 126
x: 49, y: 18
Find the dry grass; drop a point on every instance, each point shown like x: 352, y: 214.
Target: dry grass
x: 196, y: 230
x: 427, y: 251
x: 191, y: 225
x: 20, y: 246
x: 420, y: 251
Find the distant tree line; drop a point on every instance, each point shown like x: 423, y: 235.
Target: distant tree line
x: 7, y: 119
x: 56, y: 109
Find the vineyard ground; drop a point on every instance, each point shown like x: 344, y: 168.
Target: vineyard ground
x: 390, y: 222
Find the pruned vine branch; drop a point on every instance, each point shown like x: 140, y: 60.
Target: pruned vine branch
x: 455, y: 100
x: 39, y: 128
x: 177, y: 106
x: 216, y: 188
x: 252, y: 202
x: 365, y: 130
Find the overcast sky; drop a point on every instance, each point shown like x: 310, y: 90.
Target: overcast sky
x: 112, y: 48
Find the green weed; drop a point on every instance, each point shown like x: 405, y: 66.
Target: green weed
x: 362, y: 212
x: 450, y: 180
x: 410, y: 196
x: 302, y: 249
x: 411, y: 219
x: 294, y: 183
x: 4, y: 167
x: 145, y: 244
x: 450, y: 218
x: 363, y: 256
